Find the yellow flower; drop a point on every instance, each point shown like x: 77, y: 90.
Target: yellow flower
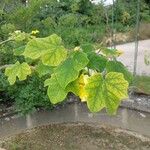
x: 82, y: 82
x: 18, y: 31
x: 77, y: 48
x: 119, y: 52
x: 35, y: 32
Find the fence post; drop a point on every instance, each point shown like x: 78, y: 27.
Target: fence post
x: 136, y: 38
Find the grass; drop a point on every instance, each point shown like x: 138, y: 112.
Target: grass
x: 142, y: 84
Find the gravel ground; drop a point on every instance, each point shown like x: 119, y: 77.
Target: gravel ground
x: 77, y: 136
x: 137, y: 102
x: 128, y: 57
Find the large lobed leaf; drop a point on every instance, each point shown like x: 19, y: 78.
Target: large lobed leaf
x: 64, y: 74
x: 43, y: 69
x: 55, y: 92
x: 116, y: 66
x: 110, y: 52
x: 49, y: 49
x: 68, y: 71
x: 97, y: 62
x: 17, y: 70
x: 19, y: 51
x: 87, y: 48
x: 106, y: 92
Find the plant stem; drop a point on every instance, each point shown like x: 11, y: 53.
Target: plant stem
x: 5, y: 66
x: 5, y: 41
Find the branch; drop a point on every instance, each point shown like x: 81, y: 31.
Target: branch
x: 5, y: 66
x: 5, y: 41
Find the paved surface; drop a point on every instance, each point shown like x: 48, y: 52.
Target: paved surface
x: 76, y: 112
x: 128, y: 57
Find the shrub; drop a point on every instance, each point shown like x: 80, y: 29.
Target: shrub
x: 6, y: 29
x: 30, y: 95
x: 4, y: 85
x: 97, y: 15
x: 6, y: 54
x: 69, y: 20
x: 121, y: 28
x: 84, y: 20
x: 27, y: 95
x: 125, y: 18
x: 49, y: 23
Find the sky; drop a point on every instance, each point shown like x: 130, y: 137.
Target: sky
x: 107, y: 2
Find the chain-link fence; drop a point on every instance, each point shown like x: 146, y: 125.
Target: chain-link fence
x: 130, y: 32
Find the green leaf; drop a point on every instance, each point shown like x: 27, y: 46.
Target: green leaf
x: 43, y: 69
x: 17, y: 70
x: 65, y: 73
x: 68, y: 71
x: 18, y: 36
x: 116, y: 66
x: 106, y: 92
x: 87, y: 48
x: 50, y: 50
x: 55, y: 92
x: 19, y: 51
x: 80, y: 60
x: 97, y: 62
x: 110, y: 52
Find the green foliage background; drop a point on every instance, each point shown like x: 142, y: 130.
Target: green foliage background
x: 75, y: 21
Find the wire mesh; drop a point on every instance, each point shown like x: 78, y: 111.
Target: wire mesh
x: 137, y: 49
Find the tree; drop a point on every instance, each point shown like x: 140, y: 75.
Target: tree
x: 148, y: 2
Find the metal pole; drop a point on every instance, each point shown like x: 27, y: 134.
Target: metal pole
x: 113, y: 41
x: 136, y: 38
x: 27, y: 3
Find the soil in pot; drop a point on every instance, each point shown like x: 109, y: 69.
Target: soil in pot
x: 77, y: 136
